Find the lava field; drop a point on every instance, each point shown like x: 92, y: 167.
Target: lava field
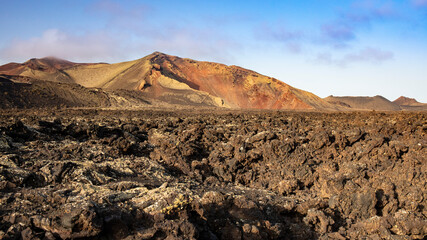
x: 208, y: 174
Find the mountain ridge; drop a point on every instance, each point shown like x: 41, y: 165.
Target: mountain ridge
x: 364, y: 103
x: 163, y: 76
x: 171, y: 79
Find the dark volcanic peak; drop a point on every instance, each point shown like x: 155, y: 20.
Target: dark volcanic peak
x: 158, y: 53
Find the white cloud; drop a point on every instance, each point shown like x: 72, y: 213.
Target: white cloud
x: 124, y: 17
x: 130, y: 32
x: 53, y: 42
x: 367, y: 54
x: 201, y: 44
x: 420, y: 3
x: 106, y: 47
x: 183, y: 38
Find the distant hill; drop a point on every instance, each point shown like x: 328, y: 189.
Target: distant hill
x: 406, y: 103
x: 364, y: 103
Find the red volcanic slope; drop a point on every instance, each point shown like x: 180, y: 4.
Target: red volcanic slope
x: 238, y: 87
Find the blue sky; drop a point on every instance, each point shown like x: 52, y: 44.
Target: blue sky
x: 328, y: 47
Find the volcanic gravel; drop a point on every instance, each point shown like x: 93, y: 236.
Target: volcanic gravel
x: 187, y: 174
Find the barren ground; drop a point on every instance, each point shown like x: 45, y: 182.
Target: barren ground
x: 98, y: 174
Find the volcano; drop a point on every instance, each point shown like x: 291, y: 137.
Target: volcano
x: 173, y: 79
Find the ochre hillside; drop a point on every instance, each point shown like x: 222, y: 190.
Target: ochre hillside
x: 171, y: 78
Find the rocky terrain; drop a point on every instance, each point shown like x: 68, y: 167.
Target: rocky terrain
x: 98, y: 174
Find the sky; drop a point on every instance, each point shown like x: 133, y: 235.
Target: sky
x: 327, y: 47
